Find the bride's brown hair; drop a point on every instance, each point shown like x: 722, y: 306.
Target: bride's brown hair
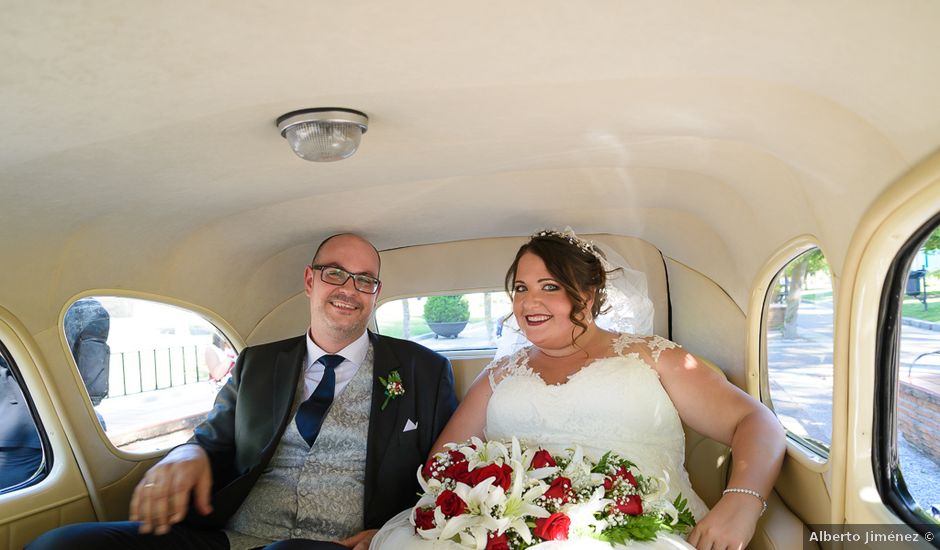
x: 574, y: 264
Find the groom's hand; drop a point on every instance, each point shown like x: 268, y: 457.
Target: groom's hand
x: 359, y: 541
x: 162, y: 496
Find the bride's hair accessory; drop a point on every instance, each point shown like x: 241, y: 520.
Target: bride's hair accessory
x: 751, y: 492
x: 569, y: 235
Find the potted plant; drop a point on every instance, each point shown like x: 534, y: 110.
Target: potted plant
x: 446, y: 315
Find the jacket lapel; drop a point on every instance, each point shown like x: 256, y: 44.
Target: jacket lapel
x: 382, y: 424
x: 287, y: 368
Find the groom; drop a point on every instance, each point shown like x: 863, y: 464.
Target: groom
x: 304, y: 441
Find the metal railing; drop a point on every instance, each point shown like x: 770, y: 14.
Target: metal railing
x: 153, y: 369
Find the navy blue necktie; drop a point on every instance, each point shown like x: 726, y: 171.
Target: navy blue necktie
x: 311, y: 412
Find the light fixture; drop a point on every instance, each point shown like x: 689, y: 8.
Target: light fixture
x: 324, y: 134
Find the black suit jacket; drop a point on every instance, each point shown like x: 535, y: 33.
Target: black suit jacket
x: 252, y: 410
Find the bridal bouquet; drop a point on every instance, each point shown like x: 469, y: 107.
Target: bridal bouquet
x: 499, y: 495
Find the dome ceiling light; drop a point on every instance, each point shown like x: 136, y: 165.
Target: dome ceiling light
x: 324, y: 134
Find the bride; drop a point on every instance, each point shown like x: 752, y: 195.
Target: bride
x: 580, y: 384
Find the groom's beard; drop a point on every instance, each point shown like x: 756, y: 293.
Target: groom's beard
x: 345, y: 314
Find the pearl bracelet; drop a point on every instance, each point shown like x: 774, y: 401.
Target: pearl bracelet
x: 751, y: 492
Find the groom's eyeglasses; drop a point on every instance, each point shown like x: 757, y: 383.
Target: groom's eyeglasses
x: 338, y: 276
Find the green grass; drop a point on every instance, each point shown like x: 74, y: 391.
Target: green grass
x: 418, y: 327
x: 394, y: 328
x: 915, y: 309
x: 813, y: 296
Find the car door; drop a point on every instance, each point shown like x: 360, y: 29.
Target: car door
x: 892, y: 460
x: 46, y: 488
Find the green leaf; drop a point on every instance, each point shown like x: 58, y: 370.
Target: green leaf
x: 601, y: 466
x: 636, y: 528
x: 686, y: 520
x: 446, y: 309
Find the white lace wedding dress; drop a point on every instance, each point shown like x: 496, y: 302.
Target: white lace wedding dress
x: 615, y: 403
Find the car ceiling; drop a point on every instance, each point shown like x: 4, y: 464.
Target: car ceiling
x: 141, y: 150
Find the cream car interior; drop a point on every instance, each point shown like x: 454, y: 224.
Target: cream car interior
x: 707, y: 143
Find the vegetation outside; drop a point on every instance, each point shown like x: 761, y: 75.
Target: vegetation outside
x: 395, y: 328
x: 914, y: 308
x: 446, y: 309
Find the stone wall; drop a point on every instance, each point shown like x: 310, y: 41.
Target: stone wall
x: 919, y: 418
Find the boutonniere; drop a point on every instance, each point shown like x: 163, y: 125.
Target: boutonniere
x: 393, y: 387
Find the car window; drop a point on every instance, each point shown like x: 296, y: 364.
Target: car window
x: 917, y: 371
x: 24, y: 459
x: 151, y: 370
x: 798, y: 337
x: 449, y: 322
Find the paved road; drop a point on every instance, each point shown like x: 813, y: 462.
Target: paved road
x: 153, y: 415
x: 801, y: 386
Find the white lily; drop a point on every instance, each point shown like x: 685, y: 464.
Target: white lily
x: 451, y: 527
x: 542, y: 473
x: 657, y: 499
x: 468, y: 540
x: 426, y: 501
x: 578, y: 458
x: 521, y: 504
x: 517, y: 453
x: 491, y: 452
x: 582, y: 514
x: 658, y: 486
x: 475, y: 497
x: 495, y: 499
x: 434, y: 532
x: 432, y: 485
x: 579, y: 472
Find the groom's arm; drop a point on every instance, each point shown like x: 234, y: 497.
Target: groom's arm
x: 188, y: 472
x: 216, y: 434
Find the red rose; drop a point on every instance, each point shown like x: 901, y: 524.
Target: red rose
x: 456, y: 456
x: 633, y: 506
x: 497, y: 542
x: 458, y: 471
x: 424, y: 518
x: 426, y: 472
x: 543, y: 459
x: 451, y: 504
x: 503, y: 475
x: 622, y: 473
x: 554, y: 527
x: 560, y: 489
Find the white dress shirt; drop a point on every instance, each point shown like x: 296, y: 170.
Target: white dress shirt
x: 353, y: 356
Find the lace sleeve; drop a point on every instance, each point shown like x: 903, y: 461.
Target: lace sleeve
x: 500, y: 369
x: 655, y: 344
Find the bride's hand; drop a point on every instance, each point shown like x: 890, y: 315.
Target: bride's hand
x: 729, y: 525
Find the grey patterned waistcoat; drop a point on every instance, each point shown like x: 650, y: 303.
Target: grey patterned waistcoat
x: 313, y: 492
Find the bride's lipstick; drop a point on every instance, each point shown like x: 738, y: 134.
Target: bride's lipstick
x: 536, y: 320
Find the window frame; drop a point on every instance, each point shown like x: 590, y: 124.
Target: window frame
x: 815, y: 455
x: 48, y: 457
x: 889, y: 480
x: 210, y: 317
